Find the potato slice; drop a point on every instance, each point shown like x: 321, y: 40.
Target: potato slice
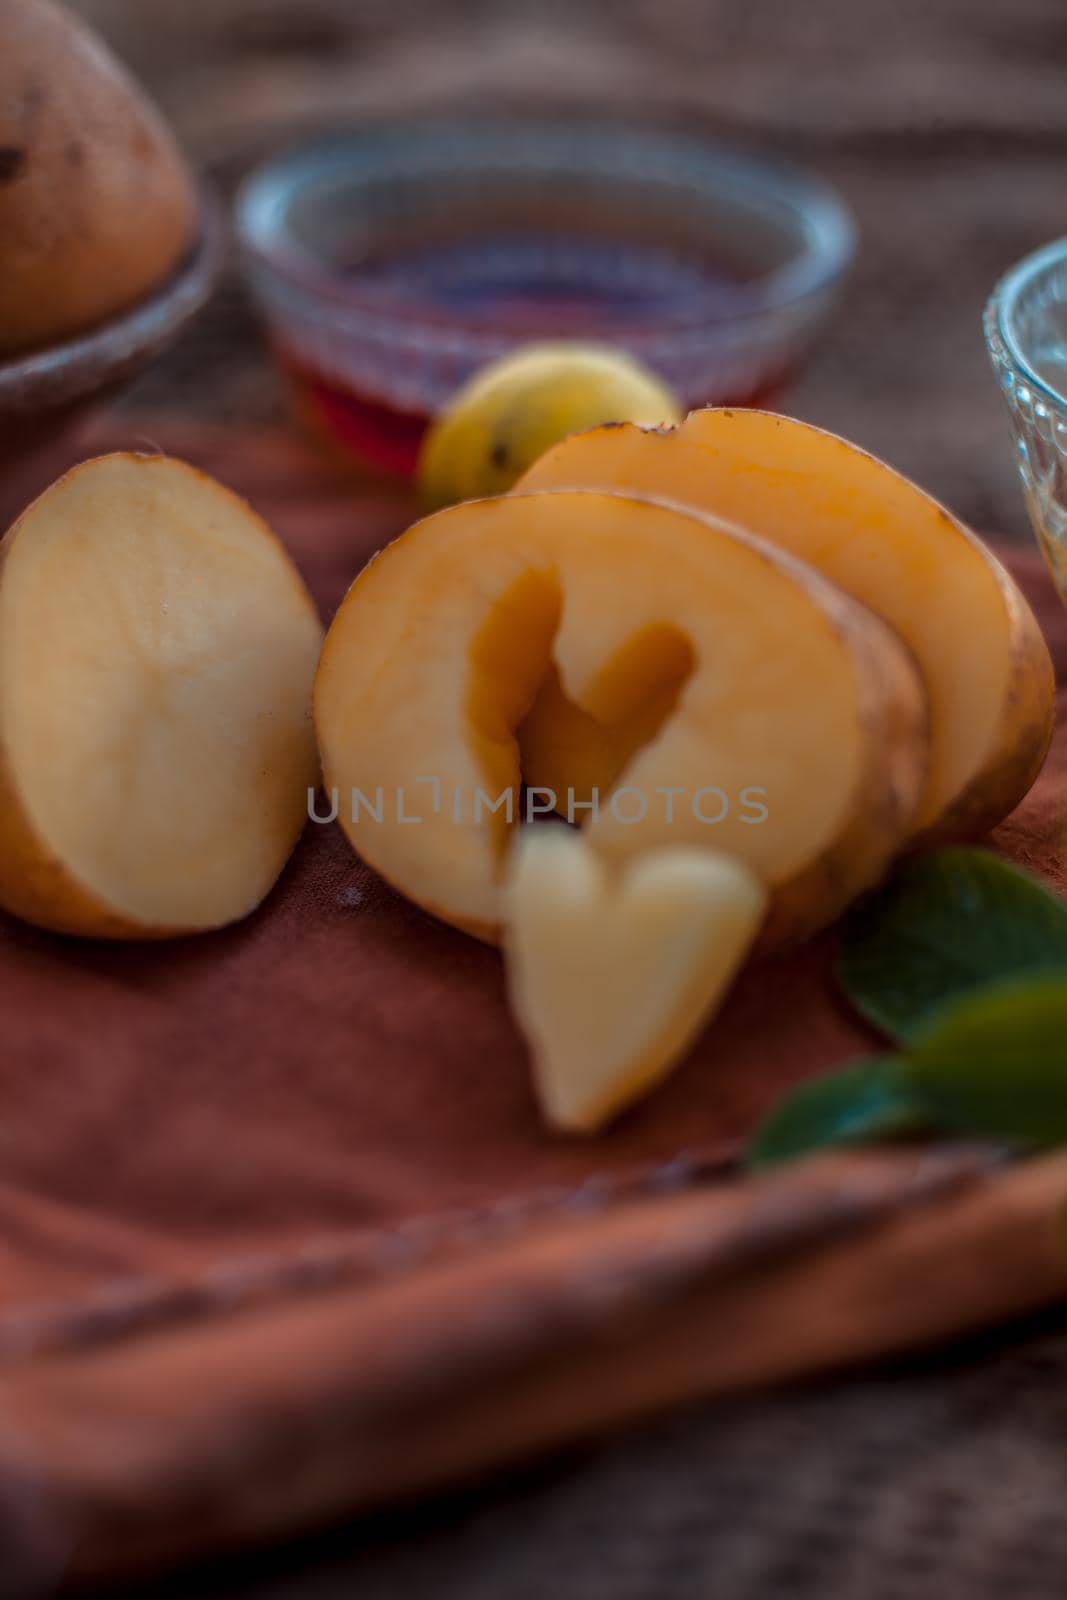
x: 796, y: 741
x: 611, y: 976
x: 888, y: 545
x: 157, y: 652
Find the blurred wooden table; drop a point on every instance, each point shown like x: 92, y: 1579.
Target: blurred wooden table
x: 945, y: 125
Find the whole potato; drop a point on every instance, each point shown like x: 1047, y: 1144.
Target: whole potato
x: 97, y: 207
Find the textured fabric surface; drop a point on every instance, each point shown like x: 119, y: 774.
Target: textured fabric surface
x: 284, y: 1236
x: 340, y: 1059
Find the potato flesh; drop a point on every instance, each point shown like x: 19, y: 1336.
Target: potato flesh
x: 430, y: 670
x: 883, y: 542
x: 611, y: 975
x: 567, y: 748
x: 157, y: 651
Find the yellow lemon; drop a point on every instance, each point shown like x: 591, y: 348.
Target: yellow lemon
x: 515, y: 408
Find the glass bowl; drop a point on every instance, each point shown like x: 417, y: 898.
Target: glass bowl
x: 391, y: 264
x: 1026, y: 332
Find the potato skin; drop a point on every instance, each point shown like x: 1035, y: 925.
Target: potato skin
x: 97, y: 207
x: 39, y: 889
x: 1028, y: 722
x: 897, y: 715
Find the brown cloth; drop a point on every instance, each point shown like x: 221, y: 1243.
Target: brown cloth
x: 283, y: 1238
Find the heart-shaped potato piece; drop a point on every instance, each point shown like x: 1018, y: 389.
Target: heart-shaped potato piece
x: 744, y: 704
x: 612, y: 974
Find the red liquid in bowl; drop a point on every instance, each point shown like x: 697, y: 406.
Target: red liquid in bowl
x: 508, y: 291
x: 378, y: 435
x: 391, y: 440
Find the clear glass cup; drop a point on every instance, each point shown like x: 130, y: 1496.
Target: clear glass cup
x: 1026, y: 332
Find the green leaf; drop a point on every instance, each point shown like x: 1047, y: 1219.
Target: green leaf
x: 869, y: 1100
x: 997, y: 1064
x: 947, y: 925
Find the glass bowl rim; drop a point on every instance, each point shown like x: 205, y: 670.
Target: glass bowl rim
x: 824, y: 225
x: 1001, y: 306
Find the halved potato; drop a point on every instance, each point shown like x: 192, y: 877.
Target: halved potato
x: 157, y: 652
x: 887, y: 544
x: 758, y: 711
